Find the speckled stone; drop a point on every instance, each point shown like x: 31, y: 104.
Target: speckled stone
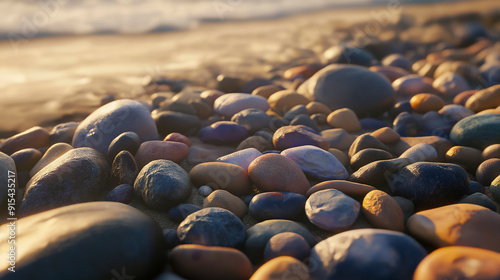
x: 478, y: 131
x: 225, y: 200
x: 383, y: 211
x: 283, y: 267
x: 221, y: 175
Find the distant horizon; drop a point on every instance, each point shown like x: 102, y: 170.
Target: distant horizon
x: 44, y: 18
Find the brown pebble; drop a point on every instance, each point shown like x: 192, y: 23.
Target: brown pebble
x: 386, y: 135
x: 200, y: 262
x: 390, y: 72
x: 210, y: 95
x: 281, y: 268
x: 467, y: 157
x: 224, y: 199
x: 177, y: 137
x: 53, y: 153
x: 257, y: 142
x: 317, y: 108
x: 347, y: 187
x: 35, y: 137
x: 341, y: 156
x: 153, y: 150
x: 266, y: 91
x: 488, y: 98
x: 221, y: 175
x: 302, y: 71
x: 344, y: 118
x: 459, y: 262
x: 492, y: 151
x: 383, y: 211
x: 487, y: 171
x: 461, y: 98
x: 25, y: 159
x: 284, y: 100
x: 426, y: 102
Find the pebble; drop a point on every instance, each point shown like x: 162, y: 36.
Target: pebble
x: 468, y: 158
x: 367, y: 156
x: 314, y: 107
x: 35, y: 137
x: 205, y: 190
x: 377, y: 173
x: 316, y: 163
x: 80, y: 175
x: 397, y: 60
x: 256, y: 142
x: 457, y: 225
x: 228, y: 84
x: 420, y: 152
x: 492, y: 151
x: 223, y: 133
x: 338, y: 138
x: 25, y: 159
x: 332, y: 210
x: 477, y: 131
x: 252, y: 119
x: 232, y: 103
x: 475, y: 187
x: 54, y: 152
x: 284, y: 100
x: 344, y: 118
x: 351, y: 189
x: 304, y: 119
x: 480, y: 199
x: 295, y: 111
x: 222, y: 175
x: 357, y: 254
x: 412, y: 84
x: 338, y: 86
x: 287, y: 244
x: 211, y: 95
x: 170, y: 122
x: 153, y: 150
x: 266, y: 91
x: 341, y: 156
x: 461, y: 98
x: 386, y: 135
x: 383, y: 211
x: 212, y: 227
x: 127, y: 141
x: 63, y: 133
x: 101, y: 127
x: 484, y: 99
x: 162, y: 184
x: 188, y: 102
x: 459, y: 262
x: 124, y: 169
x: 242, y: 158
x: 123, y: 193
x: 342, y: 54
x: 406, y: 125
x: 302, y: 71
x: 225, y: 200
x: 277, y: 205
x: 365, y: 141
x: 101, y: 238
x: 400, y: 107
x: 259, y: 235
x: 488, y: 171
x: 272, y: 172
x: 390, y: 72
x: 283, y: 267
x: 298, y: 135
x: 425, y: 102
x: 254, y: 83
x: 177, y: 137
x: 217, y: 263
x: 450, y: 84
x: 178, y: 213
x: 453, y: 113
x: 430, y: 185
x: 406, y: 206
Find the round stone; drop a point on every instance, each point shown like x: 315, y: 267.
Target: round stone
x: 232, y: 103
x: 397, y: 60
x: 365, y: 141
x: 316, y: 163
x: 488, y: 171
x: 123, y: 193
x: 222, y: 175
x: 338, y: 86
x: 377, y: 173
x: 272, y: 172
x: 210, y: 262
x: 484, y: 99
x: 344, y: 118
x: 297, y: 135
x: 124, y: 169
x: 317, y: 108
x: 477, y: 131
x: 211, y: 95
x: 390, y: 72
x: 266, y: 91
x: 367, y: 156
x: 212, y: 227
x: 386, y: 135
x: 284, y: 100
x: 450, y: 84
x: 106, y: 123
x: 410, y: 85
x: 205, y: 190
x: 459, y: 262
x: 253, y: 119
x: 225, y: 200
x: 178, y: 213
x: 338, y: 138
x: 222, y: 133
x: 366, y: 254
x: 426, y: 102
x: 283, y: 267
x: 383, y: 211
x: 430, y: 185
x: 25, y: 159
x: 277, y: 205
x: 467, y: 157
x: 343, y: 54
x: 170, y: 122
x: 128, y: 141
x: 162, y: 184
x: 457, y: 225
x: 177, y: 137
x: 35, y: 137
x: 420, y: 152
x: 242, y: 158
x: 166, y: 150
x: 332, y: 210
x: 287, y: 244
x: 492, y: 151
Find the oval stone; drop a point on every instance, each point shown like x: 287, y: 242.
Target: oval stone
x: 297, y: 135
x: 277, y: 205
x: 106, y: 123
x: 272, y: 172
x: 80, y: 175
x: 366, y: 254
x: 344, y: 118
x: 225, y: 200
x: 383, y: 211
x: 128, y: 141
x: 54, y: 152
x: 338, y: 86
x: 26, y: 159
x: 332, y: 210
x: 162, y: 184
x: 211, y: 263
x: 232, y: 103
x: 123, y: 193
x: 221, y: 175
x: 242, y: 158
x: 212, y: 227
x: 477, y: 131
x: 222, y: 133
x: 287, y: 244
x: 349, y: 188
x: 484, y: 99
x: 104, y: 237
x: 35, y: 137
x: 317, y: 163
x: 283, y: 267
x: 166, y: 150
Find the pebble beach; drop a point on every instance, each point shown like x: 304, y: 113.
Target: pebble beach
x: 349, y: 143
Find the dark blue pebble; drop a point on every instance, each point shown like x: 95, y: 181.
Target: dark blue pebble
x: 277, y: 205
x: 181, y: 211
